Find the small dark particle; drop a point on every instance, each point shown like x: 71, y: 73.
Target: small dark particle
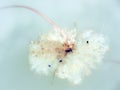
x: 60, y: 60
x: 68, y: 50
x: 49, y: 65
x: 87, y: 42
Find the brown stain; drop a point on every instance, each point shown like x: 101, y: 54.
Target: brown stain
x: 54, y: 48
x: 61, y: 52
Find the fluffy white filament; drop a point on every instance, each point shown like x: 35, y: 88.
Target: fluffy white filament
x: 89, y: 50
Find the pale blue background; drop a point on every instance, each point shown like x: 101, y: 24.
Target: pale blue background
x: 19, y: 26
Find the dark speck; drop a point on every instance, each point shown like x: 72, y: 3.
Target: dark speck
x: 60, y: 60
x: 87, y: 42
x: 68, y: 50
x: 49, y: 65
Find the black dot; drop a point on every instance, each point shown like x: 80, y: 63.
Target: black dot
x: 87, y: 42
x: 68, y: 50
x: 49, y: 65
x: 60, y: 60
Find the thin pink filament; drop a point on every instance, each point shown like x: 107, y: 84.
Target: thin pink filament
x: 44, y: 16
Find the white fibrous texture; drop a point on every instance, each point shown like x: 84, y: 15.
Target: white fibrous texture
x: 45, y: 54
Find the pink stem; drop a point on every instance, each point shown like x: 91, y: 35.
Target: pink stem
x: 42, y: 15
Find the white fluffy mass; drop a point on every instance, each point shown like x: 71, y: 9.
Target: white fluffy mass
x: 89, y: 50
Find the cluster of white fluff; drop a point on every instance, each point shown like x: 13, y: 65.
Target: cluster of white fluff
x: 89, y: 51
